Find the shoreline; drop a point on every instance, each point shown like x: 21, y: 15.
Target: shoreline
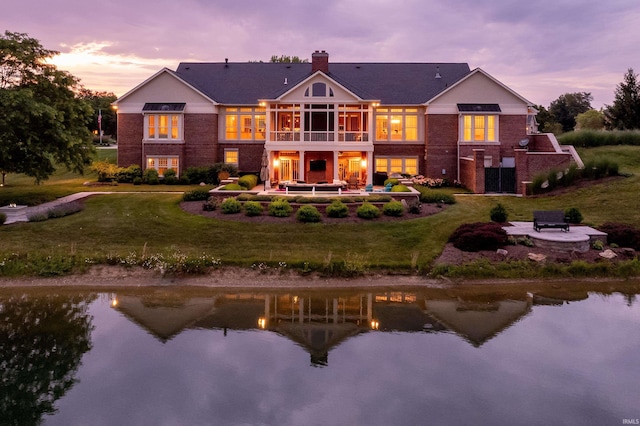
x: 103, y: 277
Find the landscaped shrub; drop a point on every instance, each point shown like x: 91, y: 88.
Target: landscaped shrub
x: 337, y: 209
x: 621, y: 234
x: 129, y: 174
x: 499, y: 214
x: 393, y: 208
x: 170, y: 177
x: 377, y: 198
x: 346, y: 200
x: 211, y: 204
x: 436, y: 197
x: 392, y: 181
x: 280, y: 208
x: 197, y: 175
x: 312, y: 200
x: 414, y: 206
x: 368, y: 211
x: 230, y: 206
x: 253, y: 208
x: 248, y: 181
x: 64, y: 210
x: 400, y: 188
x: 262, y: 197
x: 479, y: 236
x: 196, y: 195
x: 573, y: 215
x: 151, y: 177
x: 3, y: 218
x: 245, y: 197
x: 209, y: 174
x: 137, y: 181
x: 106, y: 171
x: 308, y: 214
x: 38, y: 217
x: 593, y: 138
x: 232, y: 187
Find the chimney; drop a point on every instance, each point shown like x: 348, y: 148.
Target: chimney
x: 320, y: 62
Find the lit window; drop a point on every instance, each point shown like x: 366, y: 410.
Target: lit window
x: 397, y: 124
x: 245, y: 124
x: 164, y: 126
x: 406, y: 165
x: 479, y: 128
x: 163, y: 163
x: 231, y: 156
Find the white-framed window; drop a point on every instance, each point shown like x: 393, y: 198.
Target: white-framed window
x: 231, y: 156
x: 408, y: 165
x: 246, y: 123
x: 479, y: 128
x: 162, y: 163
x: 397, y: 124
x: 163, y: 127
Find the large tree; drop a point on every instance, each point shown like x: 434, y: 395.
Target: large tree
x: 43, y: 121
x: 565, y: 109
x: 624, y: 114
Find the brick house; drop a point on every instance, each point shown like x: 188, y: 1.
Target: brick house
x: 324, y: 121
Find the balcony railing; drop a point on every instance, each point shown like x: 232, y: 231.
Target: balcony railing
x: 291, y: 136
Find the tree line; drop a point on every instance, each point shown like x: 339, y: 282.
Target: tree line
x: 573, y: 111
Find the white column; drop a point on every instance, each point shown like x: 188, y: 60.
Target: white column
x: 335, y: 165
x: 370, y: 167
x: 301, y: 166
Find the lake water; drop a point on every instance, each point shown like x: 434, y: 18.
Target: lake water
x: 166, y: 356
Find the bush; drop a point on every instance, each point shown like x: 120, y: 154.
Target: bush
x: 170, y: 177
x: 38, y: 217
x: 196, y: 195
x: 479, y: 236
x: 378, y: 198
x: 308, y: 214
x: 253, y: 208
x: 197, y: 175
x: 137, y: 181
x: 436, y: 197
x: 499, y: 214
x: 368, y: 211
x: 392, y: 181
x: 230, y: 206
x: 64, y: 210
x: 414, y: 206
x: 393, y: 208
x: 106, y: 171
x: 400, y: 188
x: 573, y: 215
x: 232, y: 187
x: 211, y: 204
x: 280, y: 208
x: 621, y: 234
x: 3, y: 218
x: 209, y: 174
x: 337, y: 209
x: 129, y: 174
x: 248, y: 181
x: 151, y: 177
x: 312, y: 200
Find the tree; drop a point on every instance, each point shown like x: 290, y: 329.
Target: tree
x: 43, y: 121
x: 101, y: 103
x: 546, y: 122
x: 590, y: 120
x: 624, y: 114
x: 287, y: 59
x: 565, y: 109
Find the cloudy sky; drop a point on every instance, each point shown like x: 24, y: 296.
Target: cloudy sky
x: 540, y: 49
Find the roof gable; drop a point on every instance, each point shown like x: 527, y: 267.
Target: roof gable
x: 334, y: 91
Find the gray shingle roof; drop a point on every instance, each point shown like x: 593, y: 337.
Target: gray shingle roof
x: 391, y: 83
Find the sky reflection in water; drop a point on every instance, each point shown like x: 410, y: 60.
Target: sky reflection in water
x: 432, y: 361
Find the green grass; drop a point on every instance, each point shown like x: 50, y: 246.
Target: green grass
x: 114, y: 226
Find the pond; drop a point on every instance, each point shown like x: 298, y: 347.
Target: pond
x: 168, y: 356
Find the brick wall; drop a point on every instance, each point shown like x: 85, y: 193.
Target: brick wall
x: 442, y: 146
x: 249, y: 155
x: 130, y: 134
x: 201, y: 140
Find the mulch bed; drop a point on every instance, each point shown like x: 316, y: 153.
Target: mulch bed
x: 195, y: 207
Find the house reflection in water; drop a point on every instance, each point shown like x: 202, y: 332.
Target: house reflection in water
x: 320, y: 321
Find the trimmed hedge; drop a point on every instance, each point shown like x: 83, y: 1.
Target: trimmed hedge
x: 230, y: 206
x: 280, y: 208
x: 248, y: 181
x: 3, y: 218
x: 253, y: 208
x: 196, y: 195
x: 393, y: 208
x: 337, y: 209
x: 400, y: 188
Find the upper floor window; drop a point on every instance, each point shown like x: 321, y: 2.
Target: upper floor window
x: 319, y: 90
x: 397, y: 124
x: 163, y: 126
x: 479, y: 128
x: 245, y: 124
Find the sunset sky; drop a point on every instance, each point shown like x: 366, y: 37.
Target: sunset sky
x: 540, y: 49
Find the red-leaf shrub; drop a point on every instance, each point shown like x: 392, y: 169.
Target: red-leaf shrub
x: 479, y: 236
x: 621, y: 234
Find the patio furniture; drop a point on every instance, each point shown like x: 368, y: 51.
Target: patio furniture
x: 549, y: 219
x: 353, y: 182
